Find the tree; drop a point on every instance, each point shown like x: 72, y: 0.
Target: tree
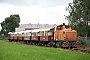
x: 79, y: 16
x: 10, y: 23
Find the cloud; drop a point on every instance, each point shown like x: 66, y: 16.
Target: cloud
x: 35, y: 11
x: 41, y: 3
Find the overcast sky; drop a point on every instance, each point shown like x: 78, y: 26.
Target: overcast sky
x: 35, y: 11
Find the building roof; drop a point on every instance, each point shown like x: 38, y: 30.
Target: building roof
x: 37, y: 26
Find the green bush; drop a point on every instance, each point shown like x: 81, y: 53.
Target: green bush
x: 3, y: 38
x: 82, y: 42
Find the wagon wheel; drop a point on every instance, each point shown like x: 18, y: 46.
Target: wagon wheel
x: 46, y: 44
x: 40, y: 44
x: 31, y: 43
x: 55, y: 45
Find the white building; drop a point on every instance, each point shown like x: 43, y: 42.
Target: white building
x: 34, y: 26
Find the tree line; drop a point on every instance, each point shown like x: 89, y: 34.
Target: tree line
x: 79, y: 16
x: 9, y: 24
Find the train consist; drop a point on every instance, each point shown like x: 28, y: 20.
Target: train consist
x: 59, y: 36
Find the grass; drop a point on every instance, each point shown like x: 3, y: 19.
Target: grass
x: 12, y: 51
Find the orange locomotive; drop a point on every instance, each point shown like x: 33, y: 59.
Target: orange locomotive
x: 65, y: 36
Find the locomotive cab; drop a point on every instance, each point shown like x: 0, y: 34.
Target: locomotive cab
x: 66, y: 36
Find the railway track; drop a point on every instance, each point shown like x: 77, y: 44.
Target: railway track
x: 81, y: 50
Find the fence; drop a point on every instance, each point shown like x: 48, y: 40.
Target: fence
x: 86, y: 39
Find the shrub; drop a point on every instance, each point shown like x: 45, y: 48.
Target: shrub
x: 82, y: 42
x: 3, y: 38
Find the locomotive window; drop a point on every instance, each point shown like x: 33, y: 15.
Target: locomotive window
x: 59, y: 28
x: 63, y: 32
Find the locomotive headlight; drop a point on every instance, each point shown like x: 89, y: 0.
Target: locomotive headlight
x: 67, y: 42
x: 77, y: 42
x: 56, y: 39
